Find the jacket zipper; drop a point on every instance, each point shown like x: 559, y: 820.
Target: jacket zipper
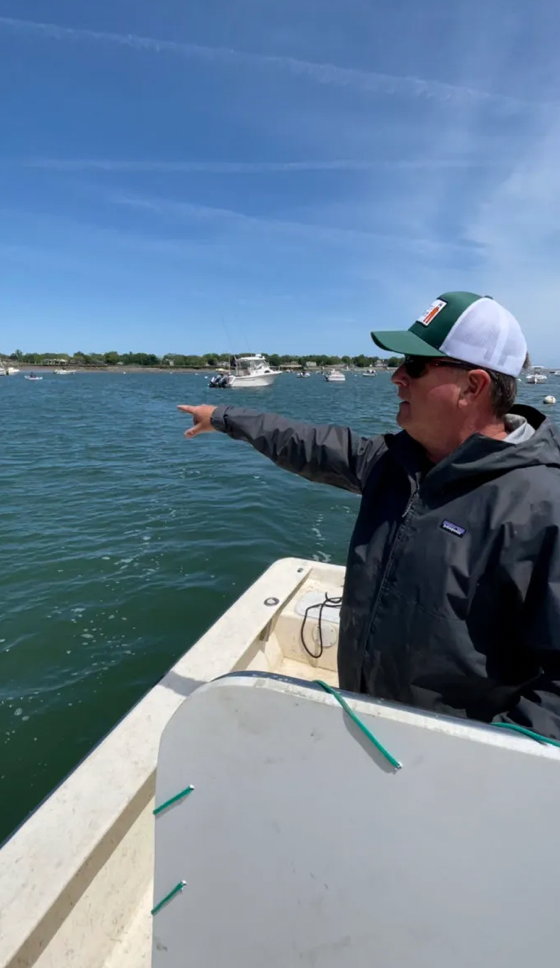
x: 373, y: 611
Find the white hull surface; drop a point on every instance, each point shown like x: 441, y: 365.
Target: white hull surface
x: 335, y: 378
x: 249, y: 372
x: 537, y: 378
x: 277, y: 770
x: 254, y: 380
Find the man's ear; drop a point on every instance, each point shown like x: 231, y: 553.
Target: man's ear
x: 475, y: 385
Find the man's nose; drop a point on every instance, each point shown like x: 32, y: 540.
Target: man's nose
x: 400, y: 377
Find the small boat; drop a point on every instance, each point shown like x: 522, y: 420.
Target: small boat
x: 335, y: 376
x: 33, y: 376
x: 251, y: 371
x: 370, y: 371
x: 64, y: 372
x: 11, y: 370
x: 536, y: 378
x: 303, y: 376
x: 210, y: 813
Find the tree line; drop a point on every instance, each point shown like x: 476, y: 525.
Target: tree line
x: 192, y: 362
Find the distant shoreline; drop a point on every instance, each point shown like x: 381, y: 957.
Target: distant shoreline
x: 35, y: 367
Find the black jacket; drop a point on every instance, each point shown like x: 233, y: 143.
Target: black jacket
x: 452, y: 592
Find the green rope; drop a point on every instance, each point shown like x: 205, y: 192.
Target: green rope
x: 355, y: 719
x: 528, y: 732
x: 176, y: 890
x: 178, y: 796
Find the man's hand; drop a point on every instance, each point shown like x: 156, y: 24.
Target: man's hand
x: 202, y: 423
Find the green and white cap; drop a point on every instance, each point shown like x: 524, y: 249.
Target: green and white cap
x: 464, y: 326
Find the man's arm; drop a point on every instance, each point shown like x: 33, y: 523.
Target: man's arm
x: 321, y: 453
x: 538, y: 706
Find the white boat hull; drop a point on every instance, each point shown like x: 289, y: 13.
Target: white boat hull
x: 279, y: 771
x: 253, y: 380
x: 76, y: 882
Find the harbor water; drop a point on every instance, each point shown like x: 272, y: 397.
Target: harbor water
x: 122, y: 543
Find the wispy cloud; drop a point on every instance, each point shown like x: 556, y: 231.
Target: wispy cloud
x: 307, y: 231
x: 248, y: 167
x: 363, y: 82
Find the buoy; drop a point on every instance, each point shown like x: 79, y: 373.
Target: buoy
x: 549, y: 400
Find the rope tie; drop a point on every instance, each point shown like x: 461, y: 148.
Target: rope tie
x: 529, y: 732
x: 178, y: 796
x: 168, y: 897
x: 356, y: 719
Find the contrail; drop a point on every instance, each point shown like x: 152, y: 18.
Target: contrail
x: 242, y: 167
x: 363, y: 82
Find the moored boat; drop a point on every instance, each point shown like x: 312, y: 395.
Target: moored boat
x: 251, y: 371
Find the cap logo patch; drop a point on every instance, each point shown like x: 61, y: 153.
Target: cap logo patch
x: 432, y: 312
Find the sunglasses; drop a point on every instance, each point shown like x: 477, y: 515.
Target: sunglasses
x: 416, y: 366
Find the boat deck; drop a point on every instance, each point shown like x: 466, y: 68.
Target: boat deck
x: 77, y: 876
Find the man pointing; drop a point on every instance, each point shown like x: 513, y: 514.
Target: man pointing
x: 452, y: 593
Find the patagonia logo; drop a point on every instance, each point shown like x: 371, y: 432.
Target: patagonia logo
x: 453, y: 528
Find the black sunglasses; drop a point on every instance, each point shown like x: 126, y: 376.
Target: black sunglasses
x: 416, y: 366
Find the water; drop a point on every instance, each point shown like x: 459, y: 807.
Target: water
x: 122, y: 543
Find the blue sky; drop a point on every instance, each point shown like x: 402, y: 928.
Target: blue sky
x: 280, y: 175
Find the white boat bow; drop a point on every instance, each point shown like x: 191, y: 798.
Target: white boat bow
x: 278, y: 772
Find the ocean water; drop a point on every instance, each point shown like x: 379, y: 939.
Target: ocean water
x: 121, y: 543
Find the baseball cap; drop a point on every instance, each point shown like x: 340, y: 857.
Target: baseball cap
x: 474, y: 329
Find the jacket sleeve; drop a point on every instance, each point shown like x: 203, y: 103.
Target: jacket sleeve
x: 324, y: 454
x: 538, y: 704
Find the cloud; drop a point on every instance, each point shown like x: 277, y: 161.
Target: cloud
x: 247, y: 167
x: 358, y: 81
x: 317, y: 232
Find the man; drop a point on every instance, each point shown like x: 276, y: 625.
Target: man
x: 452, y: 593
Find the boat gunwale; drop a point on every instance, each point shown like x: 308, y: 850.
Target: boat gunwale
x: 38, y: 867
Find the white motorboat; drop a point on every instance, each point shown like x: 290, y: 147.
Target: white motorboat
x: 369, y: 372
x: 335, y: 376
x: 258, y: 767
x: 64, y: 372
x: 33, y: 377
x: 536, y: 378
x: 11, y: 370
x: 251, y: 371
x: 303, y: 376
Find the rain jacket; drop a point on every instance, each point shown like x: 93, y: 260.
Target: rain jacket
x: 452, y: 593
